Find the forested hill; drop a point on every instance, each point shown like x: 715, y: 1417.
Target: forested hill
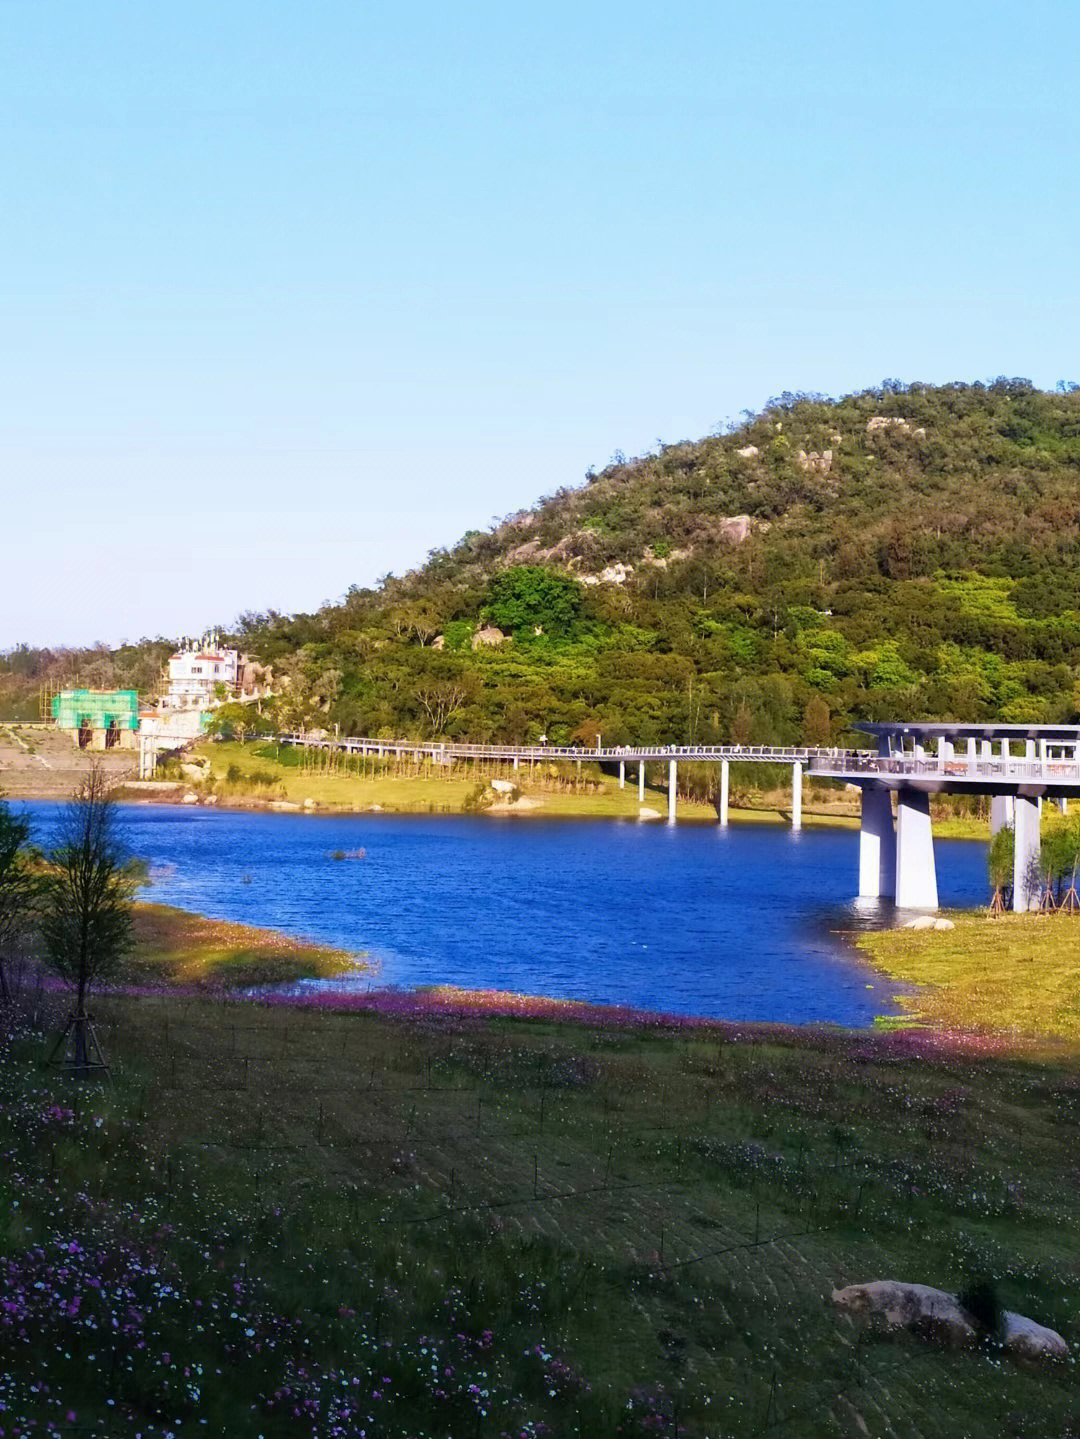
x: 908, y: 551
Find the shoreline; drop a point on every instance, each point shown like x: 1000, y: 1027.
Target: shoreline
x: 185, y: 952
x: 171, y: 794
x: 1005, y: 982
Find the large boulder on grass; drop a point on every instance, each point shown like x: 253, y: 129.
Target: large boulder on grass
x: 1029, y: 1342
x: 932, y: 1313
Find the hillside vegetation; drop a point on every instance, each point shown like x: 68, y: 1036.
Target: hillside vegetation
x: 910, y: 551
x: 907, y: 551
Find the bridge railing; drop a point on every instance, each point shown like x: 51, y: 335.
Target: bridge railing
x: 957, y: 767
x: 752, y: 754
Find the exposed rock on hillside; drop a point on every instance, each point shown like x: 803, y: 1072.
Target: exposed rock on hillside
x: 735, y: 528
x: 814, y: 462
x: 937, y: 1314
x: 917, y: 1307
x: 1030, y: 1342
x: 489, y: 636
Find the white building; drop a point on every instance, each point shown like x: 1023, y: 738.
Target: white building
x: 197, y: 670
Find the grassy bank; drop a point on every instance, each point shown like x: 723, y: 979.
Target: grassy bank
x: 1018, y: 973
x: 178, y: 948
x: 435, y: 1221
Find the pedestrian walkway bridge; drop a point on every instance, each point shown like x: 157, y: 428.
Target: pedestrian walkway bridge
x: 1017, y: 765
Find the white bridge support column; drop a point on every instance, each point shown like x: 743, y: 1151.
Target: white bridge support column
x: 1001, y: 812
x: 622, y: 774
x: 916, y: 874
x: 672, y: 788
x: 641, y: 781
x: 725, y: 778
x: 1025, y: 852
x: 877, y: 845
x: 796, y: 795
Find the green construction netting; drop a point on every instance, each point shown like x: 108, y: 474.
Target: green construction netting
x: 100, y: 709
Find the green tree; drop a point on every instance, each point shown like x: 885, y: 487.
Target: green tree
x: 85, y: 924
x: 1000, y: 862
x: 816, y: 722
x: 237, y: 721
x: 527, y: 598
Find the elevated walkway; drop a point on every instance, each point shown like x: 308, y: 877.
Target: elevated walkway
x: 1017, y: 765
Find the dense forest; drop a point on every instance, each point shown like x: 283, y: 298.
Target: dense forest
x: 907, y: 551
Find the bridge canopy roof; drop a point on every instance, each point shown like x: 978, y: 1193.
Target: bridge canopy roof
x: 952, y: 730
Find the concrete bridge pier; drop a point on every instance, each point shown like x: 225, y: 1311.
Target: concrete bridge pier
x: 622, y: 774
x: 916, y: 873
x: 672, y: 789
x: 1001, y: 812
x: 877, y: 845
x: 725, y: 776
x: 641, y: 781
x: 1026, y: 838
x: 796, y: 795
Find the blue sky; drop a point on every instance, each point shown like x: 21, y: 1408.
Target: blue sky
x: 291, y: 294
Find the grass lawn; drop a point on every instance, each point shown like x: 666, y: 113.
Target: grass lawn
x: 426, y: 1216
x: 1013, y: 972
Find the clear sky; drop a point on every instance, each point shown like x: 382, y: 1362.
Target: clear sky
x: 291, y: 293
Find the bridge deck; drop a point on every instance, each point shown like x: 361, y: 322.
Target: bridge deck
x: 931, y: 774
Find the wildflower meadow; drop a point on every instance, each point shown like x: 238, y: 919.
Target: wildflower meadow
x: 452, y: 1215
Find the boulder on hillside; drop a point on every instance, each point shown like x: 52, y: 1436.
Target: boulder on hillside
x: 815, y: 462
x: 490, y: 635
x: 895, y: 423
x: 1029, y: 1342
x: 735, y: 528
x: 747, y: 452
x: 933, y: 1313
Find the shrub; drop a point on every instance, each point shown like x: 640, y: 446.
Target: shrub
x: 980, y: 1298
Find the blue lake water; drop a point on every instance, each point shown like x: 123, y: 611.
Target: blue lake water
x: 739, y: 923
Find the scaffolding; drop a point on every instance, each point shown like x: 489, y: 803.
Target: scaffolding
x: 98, y: 718
x: 49, y: 692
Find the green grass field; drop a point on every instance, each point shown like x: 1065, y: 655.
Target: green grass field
x: 436, y: 1219
x: 1014, y: 973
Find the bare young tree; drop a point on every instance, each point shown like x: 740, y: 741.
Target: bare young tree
x: 86, y: 900
x: 440, y: 700
x: 18, y: 888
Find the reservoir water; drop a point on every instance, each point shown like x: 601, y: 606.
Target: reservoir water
x: 740, y: 923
